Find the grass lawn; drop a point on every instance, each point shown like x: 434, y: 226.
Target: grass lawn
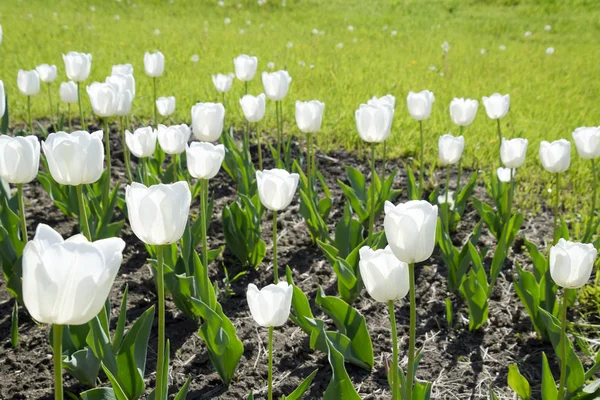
x: 392, y: 47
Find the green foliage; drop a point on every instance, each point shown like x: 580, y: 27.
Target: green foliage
x: 450, y: 217
x: 238, y: 166
x: 315, y: 211
x: 518, y: 383
x: 242, y: 229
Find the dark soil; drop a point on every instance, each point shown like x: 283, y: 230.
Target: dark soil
x: 461, y: 364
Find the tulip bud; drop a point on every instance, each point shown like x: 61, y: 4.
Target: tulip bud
x: 276, y: 84
x: 450, y: 149
x: 385, y: 277
x: 19, y: 158
x: 154, y: 64
x: 223, y: 82
x: 587, y: 142
x: 2, y: 99
x: 419, y: 104
x: 207, y: 121
x: 253, y: 107
x: 46, y: 72
x: 142, y: 142
x: 68, y: 92
x: 374, y: 122
x: 410, y: 229
x: 442, y: 199
x: 75, y: 158
x: 165, y: 105
x: 556, y: 156
x: 103, y: 97
x: 276, y: 188
x: 463, y: 111
x: 497, y: 105
x: 122, y: 69
x: 174, y: 138
x: 204, y: 159
x: 309, y: 115
x: 571, y: 263
x: 123, y: 82
x: 513, y: 152
x: 28, y: 82
x: 158, y: 214
x: 245, y: 67
x: 387, y: 99
x: 77, y: 65
x: 505, y: 175
x: 270, y: 306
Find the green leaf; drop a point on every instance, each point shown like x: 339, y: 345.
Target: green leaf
x: 421, y: 390
x: 121, y: 321
x: 518, y: 383
x: 99, y: 342
x: 475, y: 291
x: 528, y: 291
x: 549, y: 391
x: 348, y: 233
x: 14, y: 325
x: 489, y: 216
x: 182, y: 394
x: 99, y: 394
x: 302, y: 388
x: 83, y: 366
x: 340, y: 386
x: 119, y: 394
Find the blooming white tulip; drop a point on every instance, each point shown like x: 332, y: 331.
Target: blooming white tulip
x: 253, y: 107
x: 46, y: 72
x: 463, y: 111
x: 154, y: 64
x: 245, y: 67
x: 68, y: 92
x: 271, y: 305
x: 174, y: 138
x: 19, y: 158
x: 123, y: 103
x: 28, y: 82
x: 142, y: 142
x: 2, y: 99
x: 75, y: 158
x: 374, y: 122
x: 587, y: 142
x: 123, y: 69
x: 442, y: 199
x: 385, y: 277
x: 309, y: 115
x: 123, y: 82
x: 103, y: 97
x: 207, y: 121
x: 223, y: 82
x: 276, y: 188
x: 204, y: 159
x: 555, y: 156
x: 513, y: 152
x: 410, y: 229
x: 66, y: 282
x: 276, y: 84
x: 497, y: 105
x: 450, y: 149
x: 387, y: 99
x: 158, y: 214
x: 419, y: 104
x: 165, y: 105
x: 504, y: 174
x: 571, y: 263
x: 77, y: 65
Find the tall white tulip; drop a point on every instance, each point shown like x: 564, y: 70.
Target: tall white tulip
x: 223, y: 82
x: 385, y: 277
x: 68, y: 92
x: 204, y: 159
x: 309, y: 115
x: 165, y: 105
x: 276, y: 188
x: 19, y: 158
x: 463, y: 111
x: 253, y: 107
x: 505, y: 175
x: 276, y: 84
x: 142, y: 142
x: 513, y: 152
x: 271, y: 305
x: 450, y: 149
x: 173, y: 139
x: 47, y: 73
x: 571, y: 263
x: 28, y: 82
x: 587, y: 142
x: 245, y: 67
x: 77, y: 65
x: 374, y: 122
x: 104, y: 98
x: 497, y: 105
x: 556, y: 156
x: 387, y: 99
x: 419, y: 104
x: 2, y: 99
x: 154, y: 64
x: 123, y: 82
x: 123, y: 69
x: 207, y: 121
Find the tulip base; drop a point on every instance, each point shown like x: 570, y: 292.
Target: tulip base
x: 394, y: 365
x: 270, y: 376
x: 57, y: 356
x: 410, y: 376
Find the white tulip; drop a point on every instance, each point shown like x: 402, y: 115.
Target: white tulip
x: 571, y: 263
x: 276, y: 84
x: 142, y: 142
x: 309, y: 115
x: 270, y: 306
x: 245, y: 67
x: 450, y: 149
x: 463, y: 111
x: 103, y: 97
x: 2, y: 99
x: 497, y: 105
x: 123, y: 69
x: 46, y: 72
x: 68, y: 92
x: 28, y: 82
x: 387, y: 99
x: 276, y: 188
x: 505, y: 175
x: 207, y: 121
x: 419, y: 104
x: 123, y: 82
x: 223, y: 82
x: 253, y: 107
x: 385, y: 277
x: 587, y: 142
x: 204, y: 159
x: 555, y: 156
x: 165, y: 105
x: 374, y: 122
x: 513, y: 152
x: 174, y: 138
x: 154, y: 64
x: 19, y: 158
x: 77, y: 65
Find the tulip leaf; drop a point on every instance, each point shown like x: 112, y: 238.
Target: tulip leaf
x: 421, y: 390
x: 99, y: 342
x: 340, y: 385
x: 121, y: 320
x: 518, y: 383
x: 348, y: 233
x: 83, y: 366
x: 317, y: 227
x: 302, y: 388
x: 475, y: 291
x: 413, y: 190
x: 99, y: 394
x: 182, y: 394
x: 488, y: 215
x: 117, y: 390
x: 528, y: 291
x: 242, y: 230
x: 549, y: 391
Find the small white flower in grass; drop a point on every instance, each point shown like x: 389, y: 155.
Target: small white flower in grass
x: 502, y: 47
x: 394, y: 33
x: 195, y: 58
x: 355, y: 40
x: 221, y: 4
x: 117, y: 18
x: 92, y: 8
x: 242, y: 31
x: 340, y: 45
x: 157, y: 32
x: 315, y: 31
x: 311, y: 66
x: 248, y: 22
x: 290, y: 45
x: 385, y: 28
x: 445, y: 47
x: 271, y: 65
x: 350, y: 28
x: 550, y: 50
x: 301, y: 63
x: 65, y: 27
x: 528, y: 34
x: 432, y: 68
x: 547, y: 28
x: 227, y: 21
x: 482, y: 51
x: 239, y: 5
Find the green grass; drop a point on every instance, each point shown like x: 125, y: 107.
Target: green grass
x: 550, y: 95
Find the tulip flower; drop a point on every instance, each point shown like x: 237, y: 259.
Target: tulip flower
x: 270, y: 307
x: 142, y: 142
x: 513, y: 152
x: 28, y: 83
x: 165, y: 105
x: 77, y: 66
x: 276, y: 189
x: 276, y: 85
x: 391, y: 101
x: 2, y: 100
x: 450, y: 151
x: 123, y: 82
x: 154, y: 65
x: 173, y: 140
x: 419, y: 108
x: 47, y: 74
x: 556, y: 158
x: 207, y: 121
x: 309, y: 115
x: 505, y: 175
x: 204, y: 159
x: 245, y: 68
x: 223, y: 82
x: 587, y: 142
x: 67, y: 282
x: 253, y: 108
x: 496, y: 107
x: 463, y: 111
x: 68, y: 94
x: 123, y: 69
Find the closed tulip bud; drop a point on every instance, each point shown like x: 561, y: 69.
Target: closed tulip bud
x: 309, y: 115
x: 123, y: 82
x: 28, y: 82
x: 276, y: 188
x: 504, y: 174
x: 385, y: 277
x: 77, y: 65
x: 158, y: 214
x: 419, y: 104
x: 245, y: 67
x: 270, y: 306
x: 2, y: 99
x: 450, y: 149
x: 555, y: 156
x: 513, y: 152
x: 67, y: 282
x: 19, y: 158
x: 463, y: 111
x: 154, y: 64
x: 165, y: 105
x: 571, y: 263
x: 410, y: 229
x: 75, y: 158
x: 207, y: 121
x: 374, y: 122
x: 497, y: 105
x: 204, y: 159
x: 46, y: 72
x: 103, y: 97
x: 174, y: 138
x: 276, y: 84
x: 253, y: 107
x: 223, y: 82
x: 123, y: 69
x: 387, y: 99
x: 587, y: 142
x: 142, y: 142
x: 68, y: 92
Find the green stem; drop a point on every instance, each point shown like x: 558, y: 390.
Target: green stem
x: 246, y: 87
x: 51, y: 109
x: 411, y: 344
x: 511, y: 193
x: 126, y: 155
x: 447, y: 184
x: 69, y: 116
x: 395, y: 383
x: 372, y: 205
x: 260, y: 162
x: 594, y: 190
x: 108, y: 162
x: 383, y: 168
x: 556, y: 207
x: 421, y: 162
x: 81, y: 121
x: 204, y: 221
x: 563, y: 341
x: 499, y: 141
x: 29, y: 115
x: 275, y: 266
x: 247, y: 142
x: 270, y: 396
x: 160, y: 390
x: 155, y: 108
x: 22, y: 213
x: 175, y: 166
x: 83, y: 220
x: 278, y: 113
x: 309, y: 171
x: 458, y: 178
x: 57, y: 349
